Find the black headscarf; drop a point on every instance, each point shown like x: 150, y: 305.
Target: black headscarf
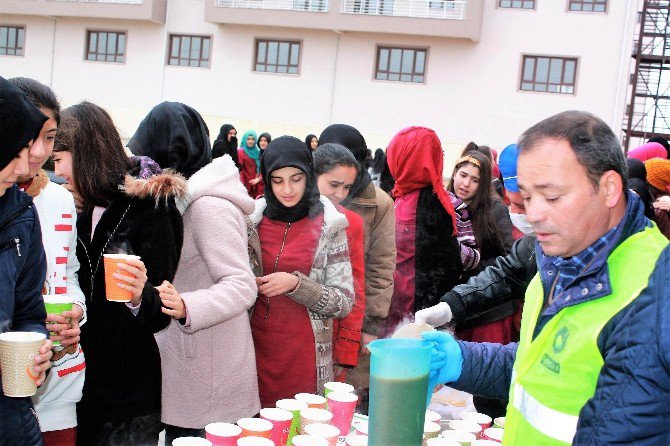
x: 223, y: 147
x: 640, y: 188
x: 378, y: 161
x: 308, y: 141
x: 636, y: 169
x: 20, y: 121
x: 287, y: 151
x: 352, y: 139
x: 175, y: 136
x: 267, y: 136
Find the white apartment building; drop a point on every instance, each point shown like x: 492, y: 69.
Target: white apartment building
x: 482, y: 70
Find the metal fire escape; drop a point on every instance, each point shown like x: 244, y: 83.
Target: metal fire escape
x: 648, y: 112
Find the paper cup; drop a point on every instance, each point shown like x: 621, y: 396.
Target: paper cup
x: 433, y: 416
x: 222, y: 434
x: 308, y: 440
x: 56, y: 304
x: 484, y: 443
x: 255, y: 427
x: 493, y: 433
x: 356, y: 440
x: 190, y: 441
x: 313, y: 401
x: 112, y: 290
x: 442, y: 442
x: 342, y: 405
x: 361, y: 428
x: 335, y: 386
x: 466, y: 425
x: 254, y: 441
x: 309, y: 416
x: 281, y: 424
x: 293, y: 406
x: 499, y: 422
x: 431, y: 429
x: 463, y: 437
x: 17, y: 353
x: 482, y: 419
x: 327, y: 431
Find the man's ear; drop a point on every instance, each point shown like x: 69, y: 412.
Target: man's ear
x: 612, y: 185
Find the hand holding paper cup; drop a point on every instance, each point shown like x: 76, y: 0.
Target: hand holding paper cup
x: 223, y: 434
x: 57, y: 304
x: 342, y: 405
x: 114, y: 292
x: 17, y: 358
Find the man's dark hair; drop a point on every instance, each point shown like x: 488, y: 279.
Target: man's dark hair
x: 39, y: 95
x: 594, y: 143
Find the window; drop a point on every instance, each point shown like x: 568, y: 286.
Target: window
x: 12, y: 39
x: 401, y: 64
x: 548, y: 74
x: 106, y: 46
x: 189, y: 51
x: 277, y: 56
x: 588, y: 5
x: 517, y: 4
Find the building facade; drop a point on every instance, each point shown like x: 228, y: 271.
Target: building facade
x: 481, y: 70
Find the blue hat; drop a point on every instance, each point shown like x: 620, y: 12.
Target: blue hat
x: 507, y: 164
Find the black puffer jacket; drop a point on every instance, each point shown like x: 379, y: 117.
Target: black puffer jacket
x: 504, y: 281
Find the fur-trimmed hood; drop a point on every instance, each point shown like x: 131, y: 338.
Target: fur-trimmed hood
x: 221, y: 179
x: 163, y: 186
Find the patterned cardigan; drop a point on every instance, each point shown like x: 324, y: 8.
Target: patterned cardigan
x: 328, y: 291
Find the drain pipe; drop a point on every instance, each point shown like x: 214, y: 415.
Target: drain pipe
x: 332, y: 90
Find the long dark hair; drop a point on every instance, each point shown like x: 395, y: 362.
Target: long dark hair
x: 484, y: 224
x: 99, y: 162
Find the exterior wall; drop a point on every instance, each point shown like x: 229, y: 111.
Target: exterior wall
x: 470, y: 92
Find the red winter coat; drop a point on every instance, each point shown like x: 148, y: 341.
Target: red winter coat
x: 347, y: 331
x: 247, y: 173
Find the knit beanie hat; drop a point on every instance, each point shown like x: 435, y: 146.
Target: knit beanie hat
x: 658, y: 173
x: 20, y: 121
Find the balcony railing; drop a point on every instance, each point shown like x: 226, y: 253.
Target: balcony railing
x: 124, y: 2
x: 430, y: 9
x: 288, y: 5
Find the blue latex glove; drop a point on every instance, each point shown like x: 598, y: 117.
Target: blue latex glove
x: 446, y: 363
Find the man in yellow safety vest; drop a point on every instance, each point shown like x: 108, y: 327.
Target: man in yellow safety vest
x: 593, y: 362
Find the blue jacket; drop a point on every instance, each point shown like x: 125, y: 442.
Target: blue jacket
x: 631, y: 404
x: 22, y: 275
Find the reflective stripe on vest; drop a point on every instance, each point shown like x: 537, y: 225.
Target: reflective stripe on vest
x: 556, y: 372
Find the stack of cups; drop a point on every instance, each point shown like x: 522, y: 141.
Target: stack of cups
x: 254, y: 441
x: 223, y: 434
x: 313, y: 401
x: 56, y: 304
x: 255, y: 427
x: 335, y: 386
x: 17, y: 353
x: 281, y: 424
x: 190, y: 441
x: 308, y: 440
x: 342, y: 405
x: 293, y: 406
x: 309, y: 416
x: 327, y: 431
x: 112, y: 290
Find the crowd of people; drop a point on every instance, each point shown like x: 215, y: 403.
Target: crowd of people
x: 265, y: 266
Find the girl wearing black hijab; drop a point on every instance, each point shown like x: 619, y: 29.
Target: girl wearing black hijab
x: 263, y: 140
x: 299, y: 255
x: 312, y: 142
x: 226, y: 143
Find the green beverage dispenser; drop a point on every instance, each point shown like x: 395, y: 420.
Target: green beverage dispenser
x: 399, y: 370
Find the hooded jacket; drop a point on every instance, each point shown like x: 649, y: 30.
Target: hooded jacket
x: 208, y: 363
x: 123, y: 377
x: 22, y: 273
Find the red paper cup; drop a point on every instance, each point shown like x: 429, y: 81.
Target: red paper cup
x: 223, y: 434
x: 255, y: 427
x: 342, y: 405
x: 281, y: 424
x: 482, y: 419
x: 327, y: 431
x: 493, y: 433
x: 313, y: 401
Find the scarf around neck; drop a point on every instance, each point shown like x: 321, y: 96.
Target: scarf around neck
x: 252, y: 152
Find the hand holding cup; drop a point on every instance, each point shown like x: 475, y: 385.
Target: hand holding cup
x: 43, y: 362
x: 66, y: 325
x: 135, y: 281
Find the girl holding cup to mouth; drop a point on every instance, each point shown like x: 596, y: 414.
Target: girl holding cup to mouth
x: 128, y: 206
x: 300, y: 257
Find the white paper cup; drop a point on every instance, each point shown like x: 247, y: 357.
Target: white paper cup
x: 431, y: 429
x: 480, y: 418
x: 335, y: 386
x: 313, y: 401
x: 493, y: 433
x: 463, y: 437
x: 222, y: 434
x: 309, y: 440
x: 356, y: 440
x: 465, y: 425
x: 17, y: 358
x: 484, y: 443
x: 499, y: 422
x: 433, y: 416
x: 361, y: 428
x: 327, y: 431
x: 255, y: 427
x: 442, y: 442
x: 255, y: 441
x: 309, y: 416
x: 190, y: 441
